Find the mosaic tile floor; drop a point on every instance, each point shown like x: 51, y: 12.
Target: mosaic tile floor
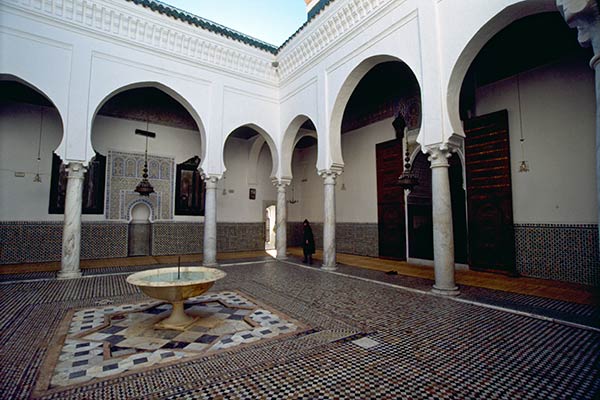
x: 107, y: 341
x: 367, y: 340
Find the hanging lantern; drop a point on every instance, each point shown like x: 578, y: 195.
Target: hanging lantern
x: 408, y: 180
x: 144, y: 188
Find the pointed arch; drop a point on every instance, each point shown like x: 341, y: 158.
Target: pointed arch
x: 487, y: 30
x: 290, y: 139
x: 257, y: 146
x: 42, y: 93
x: 341, y: 100
x: 166, y: 89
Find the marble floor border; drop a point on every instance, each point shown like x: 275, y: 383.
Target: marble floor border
x: 55, y: 346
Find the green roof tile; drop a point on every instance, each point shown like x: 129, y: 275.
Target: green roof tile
x: 177, y: 13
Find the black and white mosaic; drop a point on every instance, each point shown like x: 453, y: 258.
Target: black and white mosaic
x: 368, y: 341
x: 560, y: 252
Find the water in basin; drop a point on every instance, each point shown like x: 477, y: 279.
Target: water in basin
x: 185, y: 276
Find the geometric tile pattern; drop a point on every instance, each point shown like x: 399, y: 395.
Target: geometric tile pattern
x: 559, y: 252
x: 177, y: 238
x: 25, y: 242
x: 240, y: 236
x: 387, y: 371
x: 426, y: 346
x: 350, y: 238
x: 124, y: 173
x: 107, y: 341
x: 31, y: 241
x: 357, y: 238
x: 188, y: 237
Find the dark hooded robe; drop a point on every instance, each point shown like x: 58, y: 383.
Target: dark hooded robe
x: 308, y: 242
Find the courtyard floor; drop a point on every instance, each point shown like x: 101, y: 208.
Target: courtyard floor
x: 284, y: 330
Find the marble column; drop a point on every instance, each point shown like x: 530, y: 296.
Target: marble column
x: 443, y: 236
x: 71, y: 247
x: 209, y: 256
x: 281, y: 224
x: 329, y: 177
x: 585, y: 16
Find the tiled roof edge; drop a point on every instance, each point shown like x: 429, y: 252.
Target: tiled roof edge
x: 206, y: 24
x: 312, y: 15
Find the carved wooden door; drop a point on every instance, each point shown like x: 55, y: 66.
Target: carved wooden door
x: 489, y: 193
x: 390, y: 200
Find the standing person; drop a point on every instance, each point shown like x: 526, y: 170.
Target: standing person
x: 308, y: 243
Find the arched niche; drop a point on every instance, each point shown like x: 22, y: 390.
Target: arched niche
x: 140, y: 229
x: 343, y: 97
x: 120, y: 129
x: 479, y: 39
x: 32, y: 130
x: 299, y: 127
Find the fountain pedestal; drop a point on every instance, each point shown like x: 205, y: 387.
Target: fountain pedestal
x: 175, y: 285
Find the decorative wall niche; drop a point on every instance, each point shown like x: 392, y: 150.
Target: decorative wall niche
x: 123, y: 174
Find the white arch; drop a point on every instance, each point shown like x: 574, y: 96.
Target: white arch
x: 267, y: 138
x: 166, y: 89
x: 289, y: 142
x: 343, y: 96
x: 255, y: 149
x: 14, y: 78
x: 141, y: 202
x: 486, y: 31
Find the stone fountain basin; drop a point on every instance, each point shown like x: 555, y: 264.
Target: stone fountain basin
x: 162, y: 283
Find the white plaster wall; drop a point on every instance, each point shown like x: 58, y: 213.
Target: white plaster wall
x: 23, y: 200
x: 105, y: 49
x: 558, y: 119
x: 358, y: 203
x: 308, y: 187
x: 237, y: 206
x: 118, y: 134
x: 459, y: 43
x: 20, y: 198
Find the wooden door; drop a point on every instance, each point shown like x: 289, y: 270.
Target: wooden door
x: 489, y: 193
x: 390, y: 200
x: 420, y: 212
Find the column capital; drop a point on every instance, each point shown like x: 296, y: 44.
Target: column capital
x: 75, y: 170
x: 330, y: 175
x: 211, y: 179
x: 440, y: 153
x: 281, y: 182
x: 585, y: 16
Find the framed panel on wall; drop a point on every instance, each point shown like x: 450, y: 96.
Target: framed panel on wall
x: 189, y: 188
x: 93, y: 186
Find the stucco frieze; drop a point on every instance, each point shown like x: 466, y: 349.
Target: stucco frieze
x: 127, y: 22
x: 347, y: 17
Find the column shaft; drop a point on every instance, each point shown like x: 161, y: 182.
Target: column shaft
x: 281, y: 226
x: 329, y: 261
x: 71, y: 247
x: 596, y: 65
x: 210, y: 223
x: 443, y: 237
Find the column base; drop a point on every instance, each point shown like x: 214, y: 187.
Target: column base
x: 285, y: 257
x: 329, y: 267
x: 68, y: 275
x: 210, y: 264
x: 445, y: 292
